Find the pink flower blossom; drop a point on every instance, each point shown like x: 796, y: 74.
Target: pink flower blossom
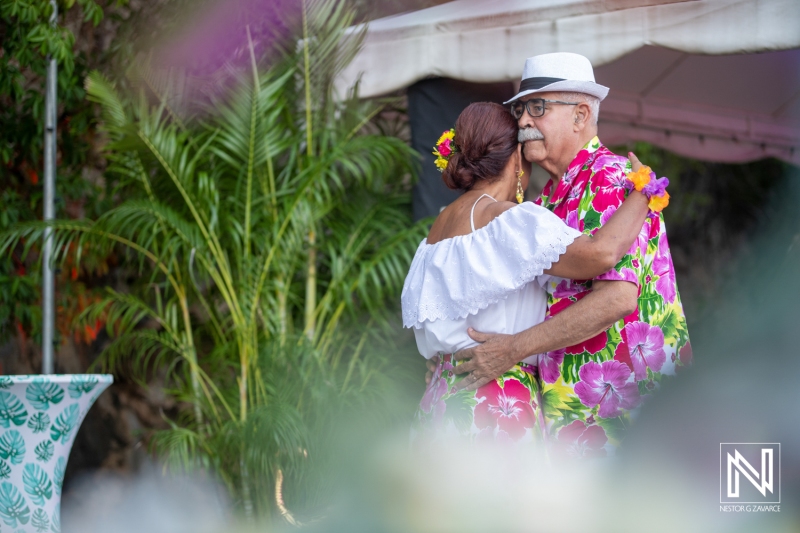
x: 615, y: 179
x: 617, y: 162
x: 608, y: 385
x: 605, y: 216
x: 641, y: 241
x: 604, y: 198
x: 432, y: 399
x: 570, y: 174
x: 685, y: 355
x: 567, y: 288
x: 624, y: 274
x: 550, y: 365
x: 444, y: 148
x: 646, y: 346
x: 662, y: 267
x: 592, y: 345
x: 572, y: 220
x: 508, y: 408
x: 581, y: 440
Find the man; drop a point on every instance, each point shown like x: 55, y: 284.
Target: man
x: 626, y: 328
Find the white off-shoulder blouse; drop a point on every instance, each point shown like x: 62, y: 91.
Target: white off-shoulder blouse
x: 491, y: 279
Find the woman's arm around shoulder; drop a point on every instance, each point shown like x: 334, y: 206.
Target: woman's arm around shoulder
x: 589, y: 256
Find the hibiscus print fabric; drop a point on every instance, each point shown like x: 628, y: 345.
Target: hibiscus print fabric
x: 601, y: 381
x: 503, y: 410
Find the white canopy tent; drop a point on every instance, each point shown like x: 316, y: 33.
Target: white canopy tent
x: 717, y: 80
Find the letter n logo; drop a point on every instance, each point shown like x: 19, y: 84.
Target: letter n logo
x: 749, y: 472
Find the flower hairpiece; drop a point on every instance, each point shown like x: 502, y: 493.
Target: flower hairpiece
x: 655, y: 189
x: 444, y: 148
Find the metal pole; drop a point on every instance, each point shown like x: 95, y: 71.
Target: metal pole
x: 48, y: 280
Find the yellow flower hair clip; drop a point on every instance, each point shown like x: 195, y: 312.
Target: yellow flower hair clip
x: 444, y: 148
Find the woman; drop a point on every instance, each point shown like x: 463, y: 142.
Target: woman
x: 483, y: 265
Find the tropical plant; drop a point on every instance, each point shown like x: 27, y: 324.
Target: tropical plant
x: 27, y: 40
x: 273, y: 234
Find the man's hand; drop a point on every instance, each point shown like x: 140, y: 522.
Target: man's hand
x: 431, y: 363
x: 489, y: 360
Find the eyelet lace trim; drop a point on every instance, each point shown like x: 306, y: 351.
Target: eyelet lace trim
x: 458, y: 277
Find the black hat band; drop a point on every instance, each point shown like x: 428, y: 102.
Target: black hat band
x: 531, y: 84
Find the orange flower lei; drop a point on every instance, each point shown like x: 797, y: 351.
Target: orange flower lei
x: 644, y: 181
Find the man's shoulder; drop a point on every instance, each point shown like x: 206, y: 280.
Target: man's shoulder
x: 608, y: 167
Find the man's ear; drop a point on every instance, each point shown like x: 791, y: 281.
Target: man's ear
x: 581, y: 116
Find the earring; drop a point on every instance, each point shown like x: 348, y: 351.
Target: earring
x: 520, y: 192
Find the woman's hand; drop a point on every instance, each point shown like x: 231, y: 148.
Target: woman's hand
x: 635, y: 163
x: 489, y: 360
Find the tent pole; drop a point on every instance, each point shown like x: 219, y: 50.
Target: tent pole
x: 48, y: 281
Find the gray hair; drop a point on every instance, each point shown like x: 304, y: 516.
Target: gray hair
x: 593, y: 101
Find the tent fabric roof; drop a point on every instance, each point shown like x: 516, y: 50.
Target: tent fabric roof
x: 714, y: 79
x: 731, y: 108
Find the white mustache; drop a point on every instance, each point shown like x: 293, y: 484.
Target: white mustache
x: 529, y: 134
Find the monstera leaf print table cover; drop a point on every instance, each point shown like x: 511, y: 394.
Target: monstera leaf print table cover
x: 39, y: 417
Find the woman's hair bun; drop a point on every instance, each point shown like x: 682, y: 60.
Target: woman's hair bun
x: 486, y: 138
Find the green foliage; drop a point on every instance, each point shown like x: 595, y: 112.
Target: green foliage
x: 37, y: 483
x: 44, y: 450
x: 39, y: 422
x: 714, y: 210
x: 64, y: 424
x: 12, y: 447
x: 55, y: 527
x: 40, y: 521
x: 58, y: 476
x: 12, y: 411
x: 81, y: 384
x: 272, y: 237
x: 27, y: 38
x: 13, y: 509
x: 42, y: 393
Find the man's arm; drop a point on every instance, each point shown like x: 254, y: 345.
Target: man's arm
x: 608, y: 302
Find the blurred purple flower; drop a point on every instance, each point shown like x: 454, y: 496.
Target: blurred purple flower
x: 656, y: 187
x: 608, y: 160
x: 436, y: 390
x: 646, y: 346
x: 550, y: 365
x: 215, y: 36
x: 567, y: 288
x: 607, y: 385
x: 662, y: 267
x: 579, y: 440
x: 606, y: 215
x: 572, y: 220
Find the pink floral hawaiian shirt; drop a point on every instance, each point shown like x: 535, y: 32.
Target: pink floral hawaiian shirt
x: 607, y: 376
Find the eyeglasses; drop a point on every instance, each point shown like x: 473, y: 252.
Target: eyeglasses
x: 535, y: 107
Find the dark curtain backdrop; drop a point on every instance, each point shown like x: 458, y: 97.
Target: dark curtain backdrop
x: 434, y: 106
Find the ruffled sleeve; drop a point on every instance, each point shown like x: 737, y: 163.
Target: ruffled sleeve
x: 457, y: 277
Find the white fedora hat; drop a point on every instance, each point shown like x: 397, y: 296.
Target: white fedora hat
x: 560, y: 71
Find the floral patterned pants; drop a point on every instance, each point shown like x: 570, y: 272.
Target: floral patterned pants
x: 517, y: 407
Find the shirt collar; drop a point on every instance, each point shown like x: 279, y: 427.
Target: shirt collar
x: 585, y: 156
